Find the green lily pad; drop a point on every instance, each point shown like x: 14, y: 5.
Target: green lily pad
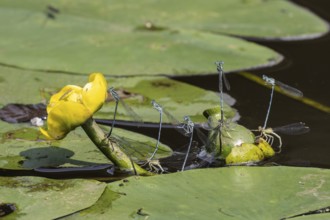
x: 178, y: 98
x: 107, y: 37
x: 22, y: 148
x: 270, y: 19
x: 222, y: 193
x: 239, y: 17
x: 41, y: 198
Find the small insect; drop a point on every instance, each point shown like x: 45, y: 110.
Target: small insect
x: 115, y: 95
x: 130, y: 147
x: 216, y: 127
x: 269, y: 133
x: 128, y: 109
x: 51, y: 12
x: 218, y: 132
x: 186, y: 128
x: 159, y: 108
x: 142, y: 213
x: 183, y: 128
x: 50, y: 15
x: 285, y: 88
x: 222, y: 81
x: 291, y: 129
x: 53, y: 9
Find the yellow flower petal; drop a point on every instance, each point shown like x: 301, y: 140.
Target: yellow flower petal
x: 73, y: 105
x: 65, y: 117
x: 95, y: 93
x: 67, y: 93
x: 244, y: 153
x: 267, y: 150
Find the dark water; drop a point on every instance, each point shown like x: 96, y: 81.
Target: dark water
x: 307, y: 67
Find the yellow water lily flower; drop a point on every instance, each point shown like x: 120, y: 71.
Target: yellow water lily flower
x: 73, y: 105
x: 250, y: 153
x: 244, y: 154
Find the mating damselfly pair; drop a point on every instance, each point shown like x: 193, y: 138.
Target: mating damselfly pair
x: 225, y: 139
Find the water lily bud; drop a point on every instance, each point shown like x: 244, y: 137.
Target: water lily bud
x: 73, y: 105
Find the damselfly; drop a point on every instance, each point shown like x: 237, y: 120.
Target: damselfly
x: 232, y: 135
x: 285, y: 88
x: 267, y: 133
x: 128, y: 109
x: 159, y: 108
x: 186, y: 128
x: 51, y: 12
x: 222, y: 81
x: 140, y: 149
x: 213, y: 147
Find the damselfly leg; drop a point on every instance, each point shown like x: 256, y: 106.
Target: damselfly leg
x: 291, y: 129
x: 269, y: 133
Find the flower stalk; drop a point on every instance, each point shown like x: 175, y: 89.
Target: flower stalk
x: 110, y: 148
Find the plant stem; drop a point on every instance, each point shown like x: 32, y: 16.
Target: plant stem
x: 110, y: 149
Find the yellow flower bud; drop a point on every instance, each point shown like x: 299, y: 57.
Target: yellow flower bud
x: 244, y: 154
x: 73, y: 105
x: 266, y: 148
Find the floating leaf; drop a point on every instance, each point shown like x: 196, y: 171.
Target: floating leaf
x: 106, y: 36
x: 270, y: 19
x: 222, y: 193
x: 41, y: 198
x: 22, y: 148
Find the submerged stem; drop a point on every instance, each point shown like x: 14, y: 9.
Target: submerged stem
x: 110, y: 148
